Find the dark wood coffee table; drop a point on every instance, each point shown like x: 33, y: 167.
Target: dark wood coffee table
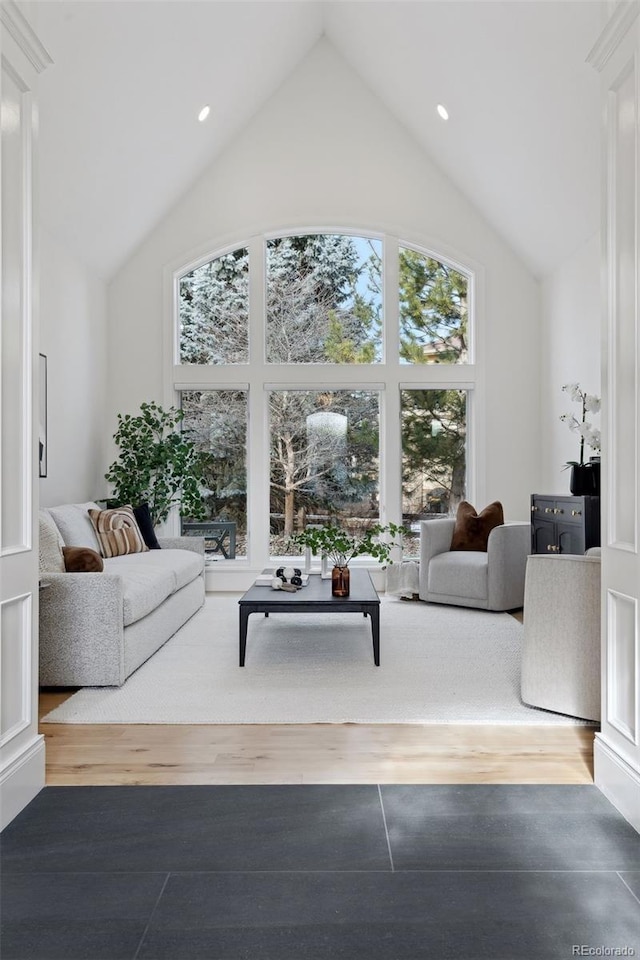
x: 314, y: 598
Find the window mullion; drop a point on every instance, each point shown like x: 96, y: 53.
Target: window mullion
x: 391, y: 279
x: 258, y: 432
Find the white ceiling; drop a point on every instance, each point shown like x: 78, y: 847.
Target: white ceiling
x: 120, y: 144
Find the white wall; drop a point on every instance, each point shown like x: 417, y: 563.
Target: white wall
x: 571, y: 321
x: 73, y: 335
x: 325, y: 152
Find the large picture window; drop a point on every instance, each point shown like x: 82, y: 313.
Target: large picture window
x: 214, y: 311
x: 434, y: 457
x: 324, y: 299
x: 216, y: 421
x: 294, y: 382
x: 324, y: 460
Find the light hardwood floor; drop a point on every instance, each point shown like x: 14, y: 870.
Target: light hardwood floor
x: 313, y: 753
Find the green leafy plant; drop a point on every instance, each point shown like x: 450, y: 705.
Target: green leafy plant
x: 341, y: 547
x: 157, y: 464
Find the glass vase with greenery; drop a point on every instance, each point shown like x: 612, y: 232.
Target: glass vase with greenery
x: 157, y: 464
x: 341, y: 547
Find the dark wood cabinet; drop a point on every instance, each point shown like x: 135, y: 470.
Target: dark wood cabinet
x: 564, y: 524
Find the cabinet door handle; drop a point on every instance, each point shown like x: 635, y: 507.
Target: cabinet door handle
x: 576, y: 513
x: 548, y: 509
x: 533, y: 509
x: 558, y: 510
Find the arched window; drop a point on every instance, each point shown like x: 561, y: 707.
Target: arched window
x: 334, y: 385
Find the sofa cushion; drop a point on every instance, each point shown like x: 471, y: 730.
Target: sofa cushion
x: 462, y: 574
x: 185, y: 564
x: 49, y: 545
x: 149, y: 578
x: 144, y: 586
x: 472, y: 529
x: 72, y: 520
x: 118, y: 531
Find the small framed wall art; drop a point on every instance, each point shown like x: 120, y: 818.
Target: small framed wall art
x: 42, y: 416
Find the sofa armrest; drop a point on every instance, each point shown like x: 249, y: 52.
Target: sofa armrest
x: 435, y: 538
x: 508, y: 547
x: 195, y: 544
x: 81, y: 629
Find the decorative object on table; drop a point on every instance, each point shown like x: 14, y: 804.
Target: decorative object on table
x: 157, y: 464
x: 585, y: 477
x: 288, y: 579
x: 340, y: 547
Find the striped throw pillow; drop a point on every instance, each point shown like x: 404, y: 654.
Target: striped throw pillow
x: 117, y: 531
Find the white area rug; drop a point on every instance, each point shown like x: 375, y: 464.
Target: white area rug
x: 438, y: 664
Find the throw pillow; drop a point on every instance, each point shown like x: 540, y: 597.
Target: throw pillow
x: 49, y: 545
x: 72, y: 520
x: 472, y: 529
x: 143, y: 516
x: 82, y: 560
x: 117, y: 531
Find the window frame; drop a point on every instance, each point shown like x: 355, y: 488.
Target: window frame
x: 388, y: 376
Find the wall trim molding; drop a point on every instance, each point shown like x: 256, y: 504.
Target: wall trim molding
x: 617, y: 26
x: 16, y: 24
x: 21, y: 780
x: 617, y: 779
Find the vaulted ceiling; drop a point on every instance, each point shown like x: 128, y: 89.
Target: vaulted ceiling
x: 120, y: 142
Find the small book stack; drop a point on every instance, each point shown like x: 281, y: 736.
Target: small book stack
x: 264, y: 580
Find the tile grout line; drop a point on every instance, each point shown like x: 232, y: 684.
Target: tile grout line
x: 634, y: 895
x: 155, y: 907
x: 384, y: 820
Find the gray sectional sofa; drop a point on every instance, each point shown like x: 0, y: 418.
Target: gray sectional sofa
x: 97, y: 628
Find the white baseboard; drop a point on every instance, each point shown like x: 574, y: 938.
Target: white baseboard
x: 619, y: 782
x: 21, y: 780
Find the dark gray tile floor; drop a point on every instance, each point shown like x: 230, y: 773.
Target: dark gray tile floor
x: 315, y: 872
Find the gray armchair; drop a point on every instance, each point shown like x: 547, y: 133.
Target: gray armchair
x: 467, y: 578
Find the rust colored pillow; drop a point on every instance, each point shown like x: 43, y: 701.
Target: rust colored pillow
x: 82, y: 560
x: 472, y: 529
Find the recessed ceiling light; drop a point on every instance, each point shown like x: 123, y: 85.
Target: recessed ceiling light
x: 442, y: 112
x: 204, y: 113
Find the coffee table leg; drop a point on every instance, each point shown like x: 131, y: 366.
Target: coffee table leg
x: 375, y: 630
x: 244, y: 619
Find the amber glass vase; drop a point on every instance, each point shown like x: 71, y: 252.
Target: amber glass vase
x: 340, y: 581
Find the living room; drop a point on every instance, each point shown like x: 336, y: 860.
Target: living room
x: 323, y: 118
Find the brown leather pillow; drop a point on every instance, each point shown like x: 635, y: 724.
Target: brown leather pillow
x: 82, y: 560
x: 472, y: 529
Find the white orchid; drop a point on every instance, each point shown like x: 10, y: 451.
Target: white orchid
x: 589, y: 434
x: 574, y: 391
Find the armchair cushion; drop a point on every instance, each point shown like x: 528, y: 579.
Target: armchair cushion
x: 472, y: 529
x: 462, y: 575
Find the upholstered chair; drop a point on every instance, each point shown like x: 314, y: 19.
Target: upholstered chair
x: 491, y: 580
x: 561, y: 649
